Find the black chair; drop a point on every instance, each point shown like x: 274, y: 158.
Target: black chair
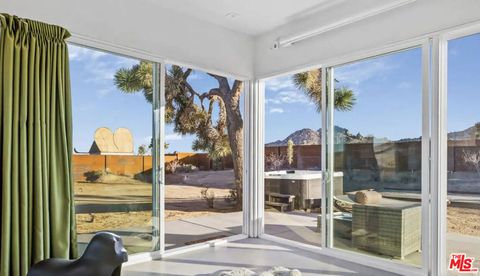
x: 103, y: 257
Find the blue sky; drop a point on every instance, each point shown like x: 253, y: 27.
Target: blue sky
x: 463, y: 82
x: 98, y: 103
x: 388, y: 91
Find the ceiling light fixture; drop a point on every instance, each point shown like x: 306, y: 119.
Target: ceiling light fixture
x: 290, y: 40
x: 232, y: 15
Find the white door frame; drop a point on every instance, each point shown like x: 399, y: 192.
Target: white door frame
x: 327, y: 236
x: 254, y: 152
x: 439, y: 69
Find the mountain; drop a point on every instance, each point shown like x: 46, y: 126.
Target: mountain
x: 309, y: 136
x: 467, y: 134
x: 304, y: 136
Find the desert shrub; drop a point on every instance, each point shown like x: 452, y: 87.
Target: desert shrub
x: 208, y: 196
x: 217, y: 164
x: 172, y: 166
x: 232, y: 196
x: 142, y: 150
x: 176, y: 166
x: 93, y: 176
x: 290, y: 145
x: 472, y: 158
x: 187, y: 168
x: 146, y: 176
x: 275, y: 162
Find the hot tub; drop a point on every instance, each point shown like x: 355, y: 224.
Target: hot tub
x: 305, y: 185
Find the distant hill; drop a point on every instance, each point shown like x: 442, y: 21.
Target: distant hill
x: 467, y: 134
x: 304, y: 136
x: 309, y: 136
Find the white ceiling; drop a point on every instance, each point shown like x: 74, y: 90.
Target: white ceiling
x: 255, y: 17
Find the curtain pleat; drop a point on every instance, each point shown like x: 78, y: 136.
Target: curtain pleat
x: 36, y: 197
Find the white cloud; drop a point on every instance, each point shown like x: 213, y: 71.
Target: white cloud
x: 85, y: 107
x: 100, y: 66
x: 104, y: 92
x: 356, y: 73
x: 404, y: 85
x: 173, y: 136
x: 280, y: 83
x: 276, y: 110
x: 453, y: 51
x: 145, y: 140
x: 289, y: 97
x: 76, y: 53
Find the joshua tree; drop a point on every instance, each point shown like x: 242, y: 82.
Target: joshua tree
x: 311, y: 83
x: 290, y: 145
x: 142, y: 150
x: 191, y: 111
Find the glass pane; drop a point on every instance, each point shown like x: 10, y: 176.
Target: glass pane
x: 112, y: 135
x: 463, y: 214
x: 293, y: 179
x: 377, y: 157
x: 204, y: 157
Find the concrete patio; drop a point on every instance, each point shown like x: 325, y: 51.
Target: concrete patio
x: 296, y: 226
x: 254, y: 254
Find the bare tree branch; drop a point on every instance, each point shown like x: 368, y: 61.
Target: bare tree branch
x: 222, y: 82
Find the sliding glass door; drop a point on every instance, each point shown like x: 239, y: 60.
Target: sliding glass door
x: 158, y: 152
x: 374, y: 153
x: 114, y: 176
x: 203, y: 157
x: 293, y: 177
x: 463, y: 151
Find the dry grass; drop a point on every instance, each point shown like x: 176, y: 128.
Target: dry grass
x: 88, y: 223
x: 182, y: 199
x: 465, y: 221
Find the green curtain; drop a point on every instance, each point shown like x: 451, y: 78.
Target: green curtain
x: 36, y: 198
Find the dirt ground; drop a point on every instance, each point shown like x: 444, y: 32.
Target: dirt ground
x: 465, y: 221
x: 182, y: 198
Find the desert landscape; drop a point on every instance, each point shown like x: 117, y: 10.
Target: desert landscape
x: 183, y: 199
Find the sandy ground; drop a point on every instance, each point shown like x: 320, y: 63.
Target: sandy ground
x: 465, y: 221
x: 182, y: 198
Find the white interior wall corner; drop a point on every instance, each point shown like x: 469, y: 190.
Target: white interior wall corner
x: 144, y: 25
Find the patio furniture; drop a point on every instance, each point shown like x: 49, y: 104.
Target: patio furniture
x: 103, y: 257
x: 391, y: 227
x: 342, y: 223
x: 281, y: 202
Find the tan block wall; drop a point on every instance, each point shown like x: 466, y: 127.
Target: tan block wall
x: 128, y: 165
x: 404, y: 156
x: 133, y: 165
x: 87, y: 163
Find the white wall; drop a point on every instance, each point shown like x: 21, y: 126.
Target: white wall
x: 144, y: 25
x: 416, y: 19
